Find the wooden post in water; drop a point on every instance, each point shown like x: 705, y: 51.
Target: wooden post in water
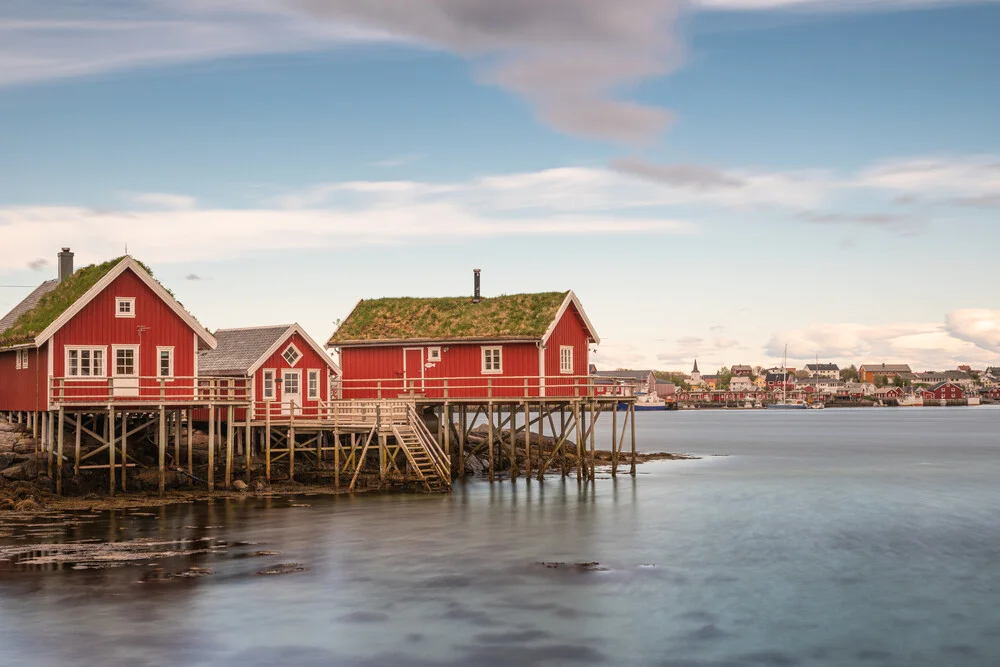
x: 614, y: 440
x: 513, y: 441
x: 49, y: 440
x: 446, y: 411
x: 527, y: 439
x: 291, y: 444
x: 267, y: 442
x: 211, y: 447
x: 336, y: 457
x: 632, y: 429
x: 248, y: 445
x: 62, y: 438
x: 490, y: 436
x: 161, y: 442
x: 190, y: 445
x: 111, y: 447
x: 76, y: 445
x: 593, y: 453
x: 177, y: 438
x: 463, y: 420
x: 124, y: 451
x: 580, y: 468
x: 230, y: 432
x: 34, y: 435
x: 562, y: 449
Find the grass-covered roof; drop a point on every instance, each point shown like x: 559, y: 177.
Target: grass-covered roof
x: 450, y: 318
x: 55, y: 303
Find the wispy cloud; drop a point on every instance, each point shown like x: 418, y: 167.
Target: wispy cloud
x: 396, y: 161
x: 160, y: 200
x: 826, y: 5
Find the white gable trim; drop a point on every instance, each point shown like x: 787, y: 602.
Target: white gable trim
x: 571, y: 299
x: 282, y: 340
x: 102, y: 284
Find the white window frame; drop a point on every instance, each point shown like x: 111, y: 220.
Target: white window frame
x: 310, y: 394
x: 119, y: 301
x: 24, y: 360
x: 563, y: 349
x: 88, y: 348
x: 17, y: 360
x: 487, y: 350
x: 170, y: 363
x: 298, y: 353
x: 135, y: 358
x: 266, y: 395
x: 433, y: 354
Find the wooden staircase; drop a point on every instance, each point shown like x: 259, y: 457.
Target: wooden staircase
x: 427, y: 459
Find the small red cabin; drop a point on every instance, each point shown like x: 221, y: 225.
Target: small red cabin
x: 287, y: 371
x: 521, y: 345
x: 105, y: 333
x: 945, y: 391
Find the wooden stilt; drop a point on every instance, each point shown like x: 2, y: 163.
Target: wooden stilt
x: 490, y: 437
x: 76, y: 446
x: 124, y: 451
x: 463, y: 426
x: 111, y: 447
x: 614, y: 440
x: 59, y: 461
x: 177, y: 438
x: 513, y: 441
x: 579, y: 444
x: 34, y: 435
x: 593, y: 453
x: 267, y: 441
x: 446, y: 411
x: 291, y: 449
x: 632, y: 420
x: 50, y: 431
x: 211, y: 448
x: 527, y: 439
x: 248, y: 445
x: 230, y: 430
x: 336, y: 458
x: 161, y: 443
x: 190, y: 445
x: 562, y: 431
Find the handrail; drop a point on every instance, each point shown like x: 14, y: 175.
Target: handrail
x: 148, y: 389
x: 438, y: 456
x: 490, y: 386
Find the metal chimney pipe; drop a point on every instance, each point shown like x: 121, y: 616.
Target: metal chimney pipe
x: 65, y: 264
x: 476, y: 298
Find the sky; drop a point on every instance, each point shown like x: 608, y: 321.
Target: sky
x: 714, y: 179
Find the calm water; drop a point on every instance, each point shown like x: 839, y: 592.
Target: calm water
x: 841, y: 537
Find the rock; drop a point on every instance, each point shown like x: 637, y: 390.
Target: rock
x: 26, y: 446
x: 7, y: 460
x: 259, y: 486
x: 28, y: 505
x: 22, y: 471
x: 6, y: 504
x: 239, y: 485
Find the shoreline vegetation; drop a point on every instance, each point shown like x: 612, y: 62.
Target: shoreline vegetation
x: 25, y: 487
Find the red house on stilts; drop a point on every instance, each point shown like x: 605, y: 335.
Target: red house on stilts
x: 521, y: 345
x: 288, y: 372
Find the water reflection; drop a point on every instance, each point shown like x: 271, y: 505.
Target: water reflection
x: 839, y: 540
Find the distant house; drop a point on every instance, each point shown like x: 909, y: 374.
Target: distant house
x: 869, y: 372
x: 824, y: 385
x: 993, y: 392
x: 945, y: 391
x: 741, y: 370
x: 760, y: 381
x: 888, y: 392
x: 823, y: 370
x: 741, y: 383
x: 776, y: 379
x: 644, y: 380
x: 711, y: 381
x: 666, y: 389
x: 859, y: 389
x: 931, y: 378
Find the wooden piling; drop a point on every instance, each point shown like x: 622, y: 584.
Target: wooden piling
x: 490, y: 437
x: 593, y: 453
x: 267, y: 441
x: 124, y: 451
x: 161, y: 442
x: 248, y: 445
x: 579, y: 443
x: 62, y: 438
x: 211, y: 447
x: 513, y: 441
x: 230, y: 431
x: 111, y: 447
x: 632, y: 420
x: 527, y: 439
x: 190, y: 446
x: 614, y: 438
x: 76, y: 445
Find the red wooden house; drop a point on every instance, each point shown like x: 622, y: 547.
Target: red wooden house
x: 106, y: 333
x: 945, y: 391
x: 522, y: 345
x: 287, y: 371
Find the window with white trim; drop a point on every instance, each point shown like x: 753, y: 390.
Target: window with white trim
x: 267, y: 391
x: 312, y: 385
x: 125, y: 361
x: 434, y: 354
x: 24, y: 360
x: 291, y: 355
x: 125, y: 306
x: 492, y: 360
x: 565, y: 358
x: 84, y: 362
x: 165, y: 362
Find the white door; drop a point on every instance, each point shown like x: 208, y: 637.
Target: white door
x: 125, y: 370
x: 291, y: 392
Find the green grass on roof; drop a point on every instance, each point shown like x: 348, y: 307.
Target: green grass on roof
x: 515, y: 315
x: 56, y: 302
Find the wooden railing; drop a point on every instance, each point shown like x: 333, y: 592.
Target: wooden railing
x: 148, y: 389
x: 489, y: 386
x: 433, y: 448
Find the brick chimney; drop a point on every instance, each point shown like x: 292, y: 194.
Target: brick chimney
x: 65, y: 264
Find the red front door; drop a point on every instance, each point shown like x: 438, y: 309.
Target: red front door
x: 413, y: 368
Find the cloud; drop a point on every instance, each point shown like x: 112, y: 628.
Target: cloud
x: 979, y: 326
x: 826, y: 5
x: 683, y: 175
x: 193, y: 276
x: 963, y: 336
x: 161, y: 200
x: 396, y: 161
x: 970, y: 176
x: 38, y: 264
x: 725, y: 343
x: 689, y: 340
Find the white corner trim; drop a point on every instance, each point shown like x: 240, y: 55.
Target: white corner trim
x: 127, y: 264
x: 571, y: 299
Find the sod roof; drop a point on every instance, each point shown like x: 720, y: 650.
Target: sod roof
x: 54, y: 303
x: 515, y: 316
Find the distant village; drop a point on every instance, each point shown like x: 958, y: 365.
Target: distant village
x: 868, y: 384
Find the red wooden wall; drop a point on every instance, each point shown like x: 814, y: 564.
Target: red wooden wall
x: 20, y: 389
x: 569, y: 331
x: 310, y: 360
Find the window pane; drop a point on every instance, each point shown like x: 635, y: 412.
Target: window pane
x: 97, y: 363
x: 164, y: 363
x: 74, y: 363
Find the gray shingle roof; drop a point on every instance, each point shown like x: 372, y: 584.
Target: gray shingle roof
x: 635, y: 375
x: 886, y: 368
x: 27, y: 304
x: 239, y: 349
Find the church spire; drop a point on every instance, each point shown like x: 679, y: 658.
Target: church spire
x: 695, y: 370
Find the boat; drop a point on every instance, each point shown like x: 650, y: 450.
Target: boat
x: 816, y: 405
x: 786, y: 403
x: 910, y: 400
x: 974, y: 400
x: 645, y: 402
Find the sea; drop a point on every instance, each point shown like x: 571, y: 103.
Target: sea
x: 798, y: 538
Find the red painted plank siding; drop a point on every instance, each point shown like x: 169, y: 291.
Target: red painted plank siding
x: 97, y: 325
x: 570, y: 331
x: 24, y: 389
x: 310, y: 360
